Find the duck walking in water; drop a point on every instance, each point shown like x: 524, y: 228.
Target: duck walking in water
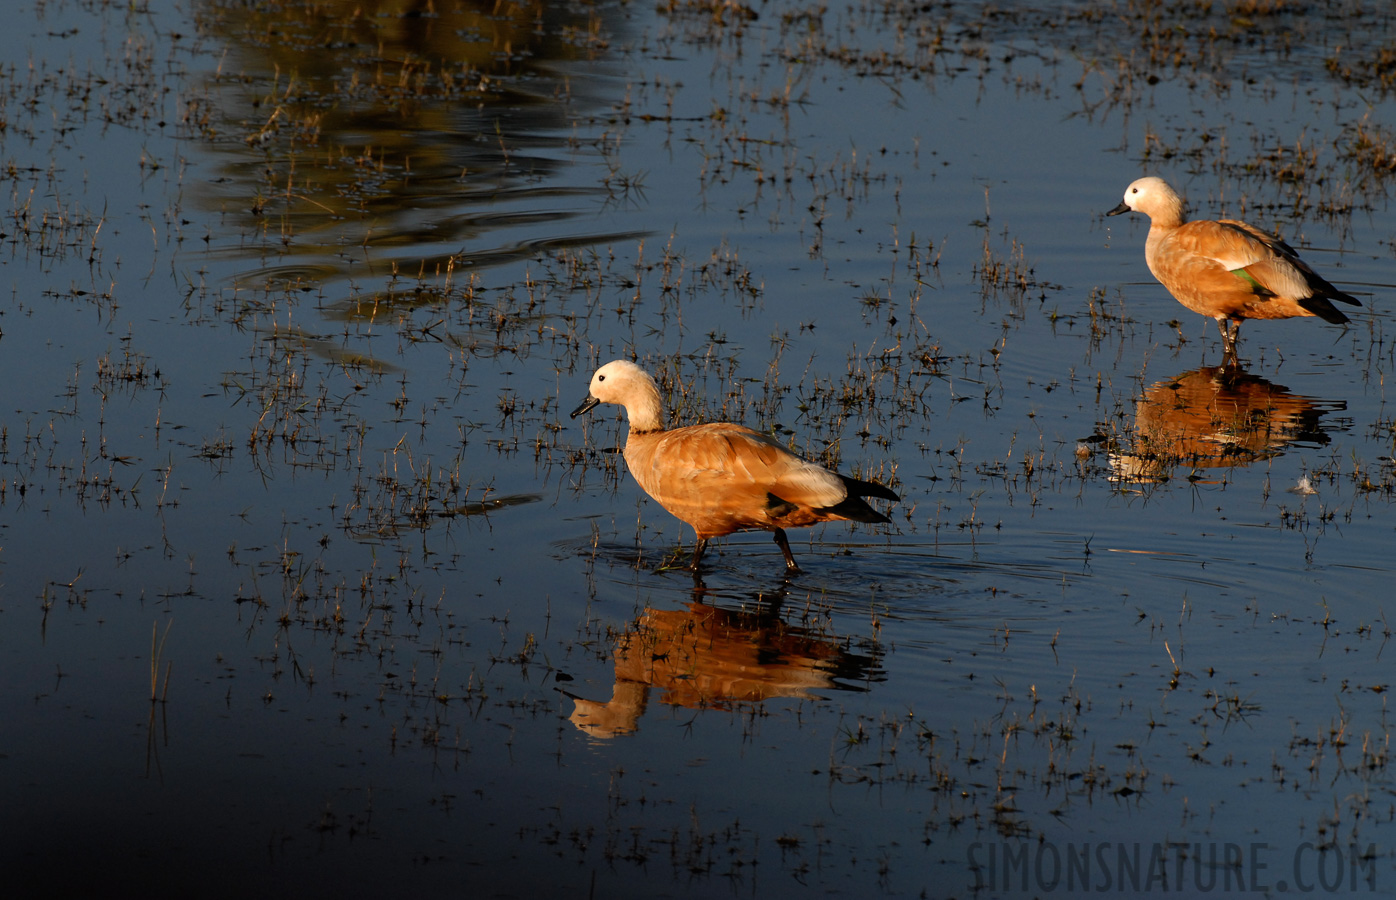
x: 721, y: 477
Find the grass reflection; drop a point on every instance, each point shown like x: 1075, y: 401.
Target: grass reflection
x: 387, y: 141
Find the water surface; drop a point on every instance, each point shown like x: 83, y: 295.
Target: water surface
x: 309, y: 580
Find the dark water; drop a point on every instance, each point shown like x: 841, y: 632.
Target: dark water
x: 301, y: 296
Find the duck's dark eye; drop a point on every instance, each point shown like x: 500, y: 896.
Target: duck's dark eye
x: 600, y: 377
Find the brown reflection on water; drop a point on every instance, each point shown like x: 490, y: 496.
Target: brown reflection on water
x: 381, y: 138
x: 705, y: 656
x: 1216, y: 416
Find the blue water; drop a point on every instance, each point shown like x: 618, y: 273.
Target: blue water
x: 300, y: 405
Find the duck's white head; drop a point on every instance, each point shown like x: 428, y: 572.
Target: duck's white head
x: 1151, y: 196
x: 626, y: 384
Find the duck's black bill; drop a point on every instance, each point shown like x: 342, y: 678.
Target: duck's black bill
x: 586, y: 406
x: 1119, y: 210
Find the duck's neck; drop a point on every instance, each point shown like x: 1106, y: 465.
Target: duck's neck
x: 1169, y: 214
x: 646, y: 410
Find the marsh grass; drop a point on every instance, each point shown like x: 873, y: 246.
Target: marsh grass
x: 157, y: 652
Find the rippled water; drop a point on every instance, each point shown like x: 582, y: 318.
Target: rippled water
x: 310, y: 582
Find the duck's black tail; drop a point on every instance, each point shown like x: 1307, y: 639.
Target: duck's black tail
x: 855, y: 508
x: 1320, y: 303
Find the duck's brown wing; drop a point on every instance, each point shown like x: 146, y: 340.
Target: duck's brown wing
x: 722, y: 477
x: 1230, y: 268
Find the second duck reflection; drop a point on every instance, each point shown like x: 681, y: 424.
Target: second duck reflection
x: 1215, y: 417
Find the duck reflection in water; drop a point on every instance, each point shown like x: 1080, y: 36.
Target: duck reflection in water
x: 704, y: 656
x: 1216, y: 417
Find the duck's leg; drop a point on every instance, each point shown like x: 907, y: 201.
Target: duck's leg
x: 1226, y: 339
x: 1230, y: 331
x: 790, y: 567
x: 697, y: 554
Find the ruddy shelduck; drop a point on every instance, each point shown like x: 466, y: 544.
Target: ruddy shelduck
x: 1227, y: 270
x: 721, y: 477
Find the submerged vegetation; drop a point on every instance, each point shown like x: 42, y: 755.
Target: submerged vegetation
x: 301, y: 293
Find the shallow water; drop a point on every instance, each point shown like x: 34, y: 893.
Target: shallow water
x: 300, y: 300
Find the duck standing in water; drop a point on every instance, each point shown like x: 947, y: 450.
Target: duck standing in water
x: 1227, y: 270
x: 721, y: 477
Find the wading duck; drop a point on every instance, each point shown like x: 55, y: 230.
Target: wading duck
x: 1227, y: 270
x: 721, y: 477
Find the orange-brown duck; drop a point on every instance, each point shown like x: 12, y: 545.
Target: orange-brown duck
x: 1226, y: 270
x: 722, y: 477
